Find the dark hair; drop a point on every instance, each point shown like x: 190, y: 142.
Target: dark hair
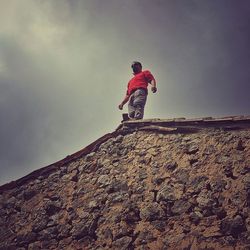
x: 135, y: 63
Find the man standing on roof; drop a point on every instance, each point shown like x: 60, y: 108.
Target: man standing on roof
x: 137, y: 91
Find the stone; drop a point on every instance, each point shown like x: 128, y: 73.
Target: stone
x: 228, y: 240
x: 25, y: 239
x: 131, y: 217
x: 40, y: 223
x: 49, y: 244
x: 237, y: 226
x: 220, y: 212
x: 198, y: 183
x: 34, y: 245
x: 218, y: 185
x: 153, y: 151
x: 53, y: 176
x: 86, y: 227
x: 228, y: 170
x: 93, y: 204
x: 74, y: 176
x: 118, y: 197
x: 240, y: 146
x: 122, y: 243
x: 193, y: 159
x: 10, y: 203
x: 166, y: 193
x: 205, y: 200
x: 28, y: 194
x: 209, y: 150
x: 89, y: 156
x: 222, y: 159
x: 5, y: 234
x: 238, y: 199
x: 186, y: 229
x: 142, y: 174
x: 247, y: 223
x: 130, y: 213
x: 122, y: 230
x: 192, y: 149
x: 48, y: 233
x: 104, y: 180
x: 245, y: 170
x: 144, y: 237
x: 225, y: 225
x: 180, y: 207
x: 52, y: 207
x: 117, y: 186
x: 171, y: 165
x: 88, y: 167
x: 1, y: 200
x: 160, y: 225
x: 52, y: 222
x: 233, y: 226
x: 152, y: 212
x: 158, y: 180
x: 195, y: 217
x: 182, y: 175
x: 63, y: 231
x: 118, y: 139
x: 186, y: 139
x: 105, y: 235
x: 116, y: 164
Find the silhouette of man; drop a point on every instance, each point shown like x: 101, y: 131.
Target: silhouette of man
x: 137, y: 91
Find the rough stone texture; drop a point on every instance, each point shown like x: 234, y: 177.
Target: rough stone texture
x: 138, y: 189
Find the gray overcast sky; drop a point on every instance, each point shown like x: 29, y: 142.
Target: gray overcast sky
x: 65, y: 64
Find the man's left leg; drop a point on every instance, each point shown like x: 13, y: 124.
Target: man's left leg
x: 139, y: 113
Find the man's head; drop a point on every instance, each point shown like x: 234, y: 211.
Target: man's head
x: 136, y: 66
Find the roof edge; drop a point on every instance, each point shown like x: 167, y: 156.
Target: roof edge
x: 45, y: 171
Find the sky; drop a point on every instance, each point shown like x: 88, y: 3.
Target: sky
x: 65, y: 64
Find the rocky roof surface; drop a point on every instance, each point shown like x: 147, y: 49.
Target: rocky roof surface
x: 150, y: 184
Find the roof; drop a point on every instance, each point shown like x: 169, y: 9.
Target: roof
x: 175, y: 125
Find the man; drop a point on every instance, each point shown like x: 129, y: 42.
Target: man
x: 137, y: 91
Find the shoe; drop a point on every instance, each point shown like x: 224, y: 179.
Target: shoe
x: 125, y: 117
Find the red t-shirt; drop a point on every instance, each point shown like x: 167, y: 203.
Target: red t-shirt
x: 140, y: 80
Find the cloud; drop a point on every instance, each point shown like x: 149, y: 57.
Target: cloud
x: 46, y: 93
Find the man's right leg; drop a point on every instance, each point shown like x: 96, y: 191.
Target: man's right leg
x: 131, y: 108
x: 139, y: 103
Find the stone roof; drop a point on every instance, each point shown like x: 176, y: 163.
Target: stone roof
x: 174, y: 125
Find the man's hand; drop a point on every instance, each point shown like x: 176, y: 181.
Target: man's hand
x: 125, y: 100
x: 154, y: 89
x: 120, y: 106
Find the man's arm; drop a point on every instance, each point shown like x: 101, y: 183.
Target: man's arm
x: 151, y: 80
x: 125, y: 100
x: 153, y: 83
